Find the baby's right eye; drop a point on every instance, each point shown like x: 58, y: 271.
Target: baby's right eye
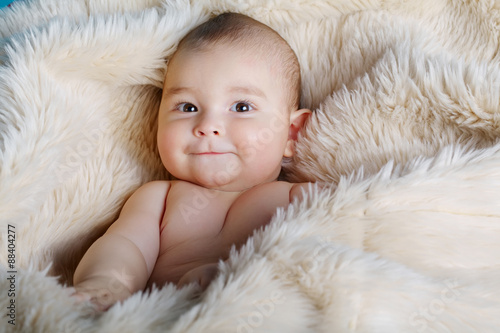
x: 187, y: 107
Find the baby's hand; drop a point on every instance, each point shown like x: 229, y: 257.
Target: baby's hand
x: 100, y: 298
x: 202, y: 275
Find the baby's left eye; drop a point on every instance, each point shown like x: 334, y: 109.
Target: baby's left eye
x: 241, y: 107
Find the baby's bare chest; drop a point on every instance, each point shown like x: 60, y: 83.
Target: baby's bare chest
x: 194, y: 213
x: 200, y: 225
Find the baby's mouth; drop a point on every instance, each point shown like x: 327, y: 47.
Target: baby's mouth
x: 211, y: 155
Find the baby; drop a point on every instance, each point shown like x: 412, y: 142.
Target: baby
x: 229, y: 114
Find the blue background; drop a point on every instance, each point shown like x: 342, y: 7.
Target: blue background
x: 4, y: 3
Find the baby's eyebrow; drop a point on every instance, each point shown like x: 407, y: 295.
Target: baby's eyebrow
x: 177, y: 90
x: 248, y: 90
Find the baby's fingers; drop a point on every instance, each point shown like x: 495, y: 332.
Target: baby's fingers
x: 100, y: 299
x: 80, y: 296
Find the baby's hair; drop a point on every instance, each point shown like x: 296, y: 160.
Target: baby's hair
x: 238, y: 29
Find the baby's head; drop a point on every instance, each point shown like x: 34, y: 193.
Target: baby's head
x: 229, y: 110
x: 231, y: 30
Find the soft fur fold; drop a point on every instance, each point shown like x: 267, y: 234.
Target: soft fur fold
x: 405, y: 129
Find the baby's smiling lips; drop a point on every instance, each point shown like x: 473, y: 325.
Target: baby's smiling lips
x: 209, y: 153
x: 209, y: 150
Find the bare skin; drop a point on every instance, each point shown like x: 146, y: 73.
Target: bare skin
x: 172, y: 244
x: 224, y: 125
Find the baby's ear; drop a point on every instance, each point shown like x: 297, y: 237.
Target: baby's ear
x: 297, y: 120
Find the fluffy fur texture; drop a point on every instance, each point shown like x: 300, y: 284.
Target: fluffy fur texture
x: 406, y: 121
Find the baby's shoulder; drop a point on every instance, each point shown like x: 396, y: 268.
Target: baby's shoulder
x: 275, y: 186
x: 150, y: 198
x: 154, y: 187
x: 276, y: 190
x: 281, y: 188
x: 150, y: 192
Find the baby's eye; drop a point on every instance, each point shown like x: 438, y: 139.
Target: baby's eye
x: 241, y: 107
x: 187, y: 107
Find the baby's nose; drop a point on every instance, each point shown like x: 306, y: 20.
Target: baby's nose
x: 200, y: 132
x: 209, y: 126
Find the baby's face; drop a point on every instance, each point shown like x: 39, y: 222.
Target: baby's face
x: 223, y: 120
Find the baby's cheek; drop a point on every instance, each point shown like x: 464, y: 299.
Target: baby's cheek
x: 268, y: 164
x: 259, y: 140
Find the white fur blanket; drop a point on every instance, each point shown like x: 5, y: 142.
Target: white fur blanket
x: 406, y: 99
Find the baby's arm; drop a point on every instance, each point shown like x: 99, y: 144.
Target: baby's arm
x: 121, y: 261
x: 298, y: 190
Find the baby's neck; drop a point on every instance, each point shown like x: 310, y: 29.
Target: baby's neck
x: 230, y: 188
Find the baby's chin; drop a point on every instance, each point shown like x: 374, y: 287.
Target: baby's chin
x: 222, y: 180
x: 235, y: 184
